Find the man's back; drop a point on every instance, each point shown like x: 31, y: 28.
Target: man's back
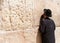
x: 48, y: 35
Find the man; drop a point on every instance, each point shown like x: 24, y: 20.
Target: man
x: 47, y: 27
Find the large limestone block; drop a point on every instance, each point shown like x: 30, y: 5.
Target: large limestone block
x: 11, y: 37
x: 57, y: 35
x: 16, y: 14
x: 20, y: 15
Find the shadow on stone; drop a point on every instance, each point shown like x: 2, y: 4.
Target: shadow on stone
x: 38, y: 38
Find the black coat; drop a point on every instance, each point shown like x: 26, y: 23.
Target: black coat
x: 47, y: 29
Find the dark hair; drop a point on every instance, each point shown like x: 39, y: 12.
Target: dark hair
x: 48, y: 12
x: 41, y: 19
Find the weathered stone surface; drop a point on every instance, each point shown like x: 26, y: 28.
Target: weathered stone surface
x: 28, y: 36
x: 19, y: 20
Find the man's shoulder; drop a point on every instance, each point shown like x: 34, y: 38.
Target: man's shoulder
x: 48, y: 20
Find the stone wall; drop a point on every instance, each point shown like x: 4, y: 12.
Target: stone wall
x: 19, y: 20
x: 16, y: 14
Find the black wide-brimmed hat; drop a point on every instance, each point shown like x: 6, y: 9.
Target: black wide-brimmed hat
x: 48, y: 12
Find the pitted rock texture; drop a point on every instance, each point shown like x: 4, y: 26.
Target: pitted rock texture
x: 19, y: 14
x: 19, y: 19
x: 14, y: 15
